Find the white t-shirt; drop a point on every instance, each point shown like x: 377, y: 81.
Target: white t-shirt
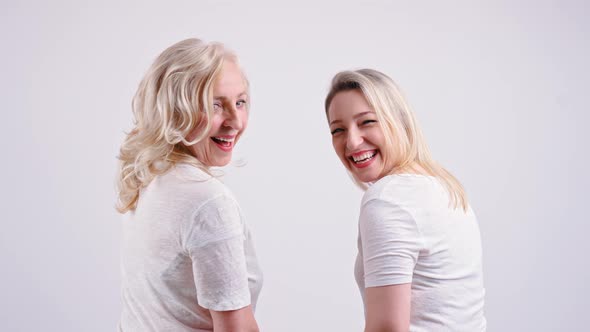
x: 408, y: 234
x: 186, y: 249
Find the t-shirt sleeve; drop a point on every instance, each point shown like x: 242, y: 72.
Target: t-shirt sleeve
x: 215, y: 244
x: 391, y: 243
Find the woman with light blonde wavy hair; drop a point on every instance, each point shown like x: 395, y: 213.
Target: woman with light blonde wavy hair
x: 188, y: 262
x: 419, y: 264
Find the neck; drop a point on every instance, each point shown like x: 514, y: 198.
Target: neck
x: 411, y: 168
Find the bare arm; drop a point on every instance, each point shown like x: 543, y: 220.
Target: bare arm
x: 388, y: 308
x: 241, y: 320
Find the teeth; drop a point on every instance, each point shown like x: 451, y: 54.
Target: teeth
x: 225, y: 139
x: 363, y: 156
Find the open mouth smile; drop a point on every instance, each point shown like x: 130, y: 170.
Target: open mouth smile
x: 364, y: 158
x: 225, y: 143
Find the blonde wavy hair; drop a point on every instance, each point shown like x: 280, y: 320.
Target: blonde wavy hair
x: 405, y: 146
x: 173, y: 98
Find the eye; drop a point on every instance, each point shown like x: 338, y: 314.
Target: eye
x: 336, y: 131
x: 241, y: 103
x: 217, y: 106
x: 365, y: 122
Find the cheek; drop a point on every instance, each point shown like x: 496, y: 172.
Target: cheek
x: 196, y: 132
x: 216, y: 122
x: 244, y: 119
x: 338, y: 145
x: 377, y: 137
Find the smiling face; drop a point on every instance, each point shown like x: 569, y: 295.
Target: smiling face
x: 356, y: 136
x: 228, y: 119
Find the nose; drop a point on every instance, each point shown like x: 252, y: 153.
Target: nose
x: 232, y: 118
x: 353, y: 139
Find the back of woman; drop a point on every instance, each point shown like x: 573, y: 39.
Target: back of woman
x: 183, y: 220
x: 425, y: 242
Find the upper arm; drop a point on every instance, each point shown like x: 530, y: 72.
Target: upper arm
x: 241, y: 320
x: 388, y: 308
x: 215, y: 244
x: 391, y: 244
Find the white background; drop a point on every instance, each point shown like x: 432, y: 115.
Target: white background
x: 500, y: 89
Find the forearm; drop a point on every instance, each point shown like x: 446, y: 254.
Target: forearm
x: 241, y: 320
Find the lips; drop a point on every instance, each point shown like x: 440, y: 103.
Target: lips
x: 225, y: 143
x: 364, y: 158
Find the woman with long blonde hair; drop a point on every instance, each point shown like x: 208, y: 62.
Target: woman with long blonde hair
x: 419, y: 264
x: 188, y: 262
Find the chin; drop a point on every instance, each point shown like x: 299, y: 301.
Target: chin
x: 222, y: 162
x: 367, y: 179
x: 372, y: 175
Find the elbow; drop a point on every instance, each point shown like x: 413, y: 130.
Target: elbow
x: 244, y: 328
x: 386, y: 327
x: 251, y: 327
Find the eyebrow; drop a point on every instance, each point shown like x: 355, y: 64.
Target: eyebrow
x: 225, y: 98
x: 354, y: 117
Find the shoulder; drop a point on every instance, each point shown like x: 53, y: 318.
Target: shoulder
x: 212, y: 212
x: 192, y: 182
x: 182, y: 190
x: 388, y: 224
x: 384, y: 203
x: 404, y: 190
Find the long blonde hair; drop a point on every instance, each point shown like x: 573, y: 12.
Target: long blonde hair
x: 172, y: 100
x: 405, y: 145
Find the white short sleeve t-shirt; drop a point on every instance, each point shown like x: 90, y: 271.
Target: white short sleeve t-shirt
x: 186, y: 249
x: 409, y: 234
